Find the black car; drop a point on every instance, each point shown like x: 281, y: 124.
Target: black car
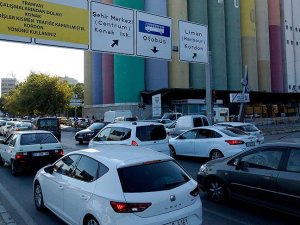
x: 268, y: 175
x: 49, y: 124
x: 88, y: 133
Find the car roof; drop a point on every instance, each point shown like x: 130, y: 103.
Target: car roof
x: 32, y: 132
x: 234, y: 123
x: 122, y: 155
x: 130, y: 124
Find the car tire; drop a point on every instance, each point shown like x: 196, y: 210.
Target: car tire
x: 90, y: 220
x: 14, y: 168
x: 1, y: 161
x: 217, y: 190
x: 38, y: 197
x: 215, y: 154
x: 172, y: 152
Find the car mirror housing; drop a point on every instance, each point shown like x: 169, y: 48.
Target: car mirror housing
x: 49, y: 169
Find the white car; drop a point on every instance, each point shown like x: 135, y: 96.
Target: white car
x: 26, y: 149
x: 4, y: 128
x: 118, y: 184
x: 211, y: 142
x: 248, y: 128
x: 147, y: 134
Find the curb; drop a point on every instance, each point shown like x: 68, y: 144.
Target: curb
x: 5, y: 218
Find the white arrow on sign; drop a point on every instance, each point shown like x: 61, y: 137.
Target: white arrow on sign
x: 112, y: 29
x: 192, y: 42
x: 153, y: 36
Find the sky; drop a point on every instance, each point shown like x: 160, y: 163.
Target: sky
x: 20, y: 59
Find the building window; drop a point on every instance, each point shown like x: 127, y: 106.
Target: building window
x: 291, y: 28
x: 297, y: 43
x: 296, y: 29
x: 292, y: 42
x: 298, y: 87
x: 290, y: 87
x: 294, y: 87
x: 287, y: 41
x: 286, y: 27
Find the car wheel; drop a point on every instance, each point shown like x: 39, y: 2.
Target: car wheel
x: 90, y: 220
x: 1, y: 161
x: 217, y: 190
x: 14, y: 168
x: 38, y: 197
x: 172, y: 152
x: 215, y: 154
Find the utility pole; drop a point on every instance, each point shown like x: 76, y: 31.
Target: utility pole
x: 244, y: 82
x: 208, y: 100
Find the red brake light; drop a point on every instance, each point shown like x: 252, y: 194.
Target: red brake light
x: 134, y: 143
x: 60, y: 152
x: 235, y: 142
x: 21, y: 155
x: 196, y: 191
x: 123, y: 207
x: 17, y: 129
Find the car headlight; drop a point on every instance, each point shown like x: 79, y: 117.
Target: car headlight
x: 90, y: 134
x: 203, y: 169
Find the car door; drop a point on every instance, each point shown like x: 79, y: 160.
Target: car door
x: 54, y: 184
x: 205, y: 139
x: 79, y: 188
x: 101, y: 137
x: 184, y: 144
x: 288, y: 182
x: 9, y: 148
x: 256, y: 173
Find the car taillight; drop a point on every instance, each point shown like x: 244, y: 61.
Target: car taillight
x: 134, y: 143
x: 59, y: 152
x: 21, y: 155
x: 123, y: 207
x: 17, y: 129
x: 196, y: 191
x: 235, y: 142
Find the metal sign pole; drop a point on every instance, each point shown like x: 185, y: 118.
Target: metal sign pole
x: 208, y: 100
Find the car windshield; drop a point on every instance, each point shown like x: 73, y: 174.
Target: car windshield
x: 233, y: 132
x: 37, y: 138
x: 96, y: 126
x: 2, y: 123
x: 150, y: 177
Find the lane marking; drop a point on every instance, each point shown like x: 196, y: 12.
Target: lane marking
x: 20, y: 210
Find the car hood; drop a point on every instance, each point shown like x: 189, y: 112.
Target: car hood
x: 85, y: 131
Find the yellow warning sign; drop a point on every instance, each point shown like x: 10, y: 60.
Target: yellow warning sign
x: 44, y: 20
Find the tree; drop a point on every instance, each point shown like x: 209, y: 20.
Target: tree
x: 78, y: 90
x: 40, y: 94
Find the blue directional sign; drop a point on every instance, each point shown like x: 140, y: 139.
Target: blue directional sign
x: 153, y: 36
x: 153, y: 28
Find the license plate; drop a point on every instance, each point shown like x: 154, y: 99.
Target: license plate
x: 248, y: 144
x: 40, y: 153
x: 183, y: 221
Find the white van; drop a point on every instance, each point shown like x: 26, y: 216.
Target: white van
x: 110, y: 116
x: 185, y: 123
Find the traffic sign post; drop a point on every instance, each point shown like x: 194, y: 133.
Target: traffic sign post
x: 153, y: 36
x: 193, y: 42
x: 112, y: 29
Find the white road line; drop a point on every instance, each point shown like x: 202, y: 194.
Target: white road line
x: 227, y: 217
x: 23, y: 214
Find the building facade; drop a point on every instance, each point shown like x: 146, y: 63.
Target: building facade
x: 263, y: 35
x: 7, y: 84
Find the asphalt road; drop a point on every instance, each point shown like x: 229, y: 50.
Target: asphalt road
x: 16, y: 196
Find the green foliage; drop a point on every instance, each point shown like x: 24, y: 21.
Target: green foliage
x: 40, y: 94
x: 78, y: 90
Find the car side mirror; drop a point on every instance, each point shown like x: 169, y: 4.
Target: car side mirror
x: 49, y: 169
x: 240, y: 164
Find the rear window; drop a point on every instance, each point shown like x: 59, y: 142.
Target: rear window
x: 152, y: 177
x: 198, y: 122
x: 151, y: 133
x: 48, y: 123
x: 34, y: 138
x: 248, y: 128
x: 233, y: 132
x: 119, y: 134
